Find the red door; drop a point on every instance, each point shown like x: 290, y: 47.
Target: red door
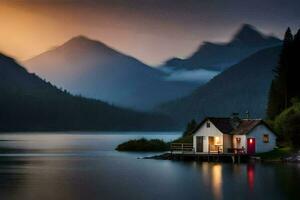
x: 251, y: 145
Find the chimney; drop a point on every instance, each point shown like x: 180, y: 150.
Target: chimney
x: 247, y: 115
x: 235, y: 120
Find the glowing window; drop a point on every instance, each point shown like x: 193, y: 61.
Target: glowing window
x: 266, y: 138
x: 217, y: 140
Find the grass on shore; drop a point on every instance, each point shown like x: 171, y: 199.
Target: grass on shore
x: 276, y: 154
x: 151, y: 145
x: 144, y: 145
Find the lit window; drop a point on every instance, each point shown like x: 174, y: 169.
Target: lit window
x: 266, y: 138
x: 208, y: 124
x: 217, y: 140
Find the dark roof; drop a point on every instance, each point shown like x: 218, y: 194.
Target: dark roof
x: 223, y: 124
x: 226, y: 125
x: 246, y: 125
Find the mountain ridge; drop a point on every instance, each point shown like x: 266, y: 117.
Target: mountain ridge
x: 92, y: 69
x: 240, y: 88
x: 219, y: 56
x: 28, y: 103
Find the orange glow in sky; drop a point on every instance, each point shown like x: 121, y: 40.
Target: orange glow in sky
x: 27, y: 31
x: 152, y: 31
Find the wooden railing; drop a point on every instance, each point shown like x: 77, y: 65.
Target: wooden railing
x: 236, y: 150
x: 215, y: 148
x: 182, y: 147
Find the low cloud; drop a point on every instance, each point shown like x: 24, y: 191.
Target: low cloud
x: 199, y: 75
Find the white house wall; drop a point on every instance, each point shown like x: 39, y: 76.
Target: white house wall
x: 227, y: 142
x: 205, y: 132
x: 258, y: 133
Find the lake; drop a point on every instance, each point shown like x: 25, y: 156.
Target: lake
x: 84, y: 165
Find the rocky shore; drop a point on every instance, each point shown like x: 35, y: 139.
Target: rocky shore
x: 293, y: 158
x: 164, y: 156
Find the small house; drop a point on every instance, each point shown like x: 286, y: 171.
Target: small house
x: 233, y: 135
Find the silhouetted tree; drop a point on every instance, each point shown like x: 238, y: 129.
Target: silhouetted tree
x: 190, y: 127
x: 284, y: 86
x: 293, y: 76
x: 294, y: 130
x: 284, y: 92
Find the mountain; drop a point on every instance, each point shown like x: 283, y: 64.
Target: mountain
x: 242, y: 87
x: 92, y: 69
x: 27, y: 103
x: 219, y: 56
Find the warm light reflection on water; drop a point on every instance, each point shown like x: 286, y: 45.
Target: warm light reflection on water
x: 212, y: 174
x: 250, y: 176
x: 217, y: 181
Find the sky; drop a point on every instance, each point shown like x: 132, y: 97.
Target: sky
x: 150, y: 30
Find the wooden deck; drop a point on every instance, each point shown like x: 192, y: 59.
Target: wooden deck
x: 210, y: 157
x: 185, y: 151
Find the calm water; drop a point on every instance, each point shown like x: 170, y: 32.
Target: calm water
x: 85, y: 166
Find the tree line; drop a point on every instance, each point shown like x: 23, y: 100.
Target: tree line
x: 284, y: 92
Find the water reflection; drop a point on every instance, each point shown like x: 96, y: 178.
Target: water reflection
x: 250, y: 176
x: 248, y: 181
x: 217, y: 180
x: 211, y: 175
x: 87, y: 167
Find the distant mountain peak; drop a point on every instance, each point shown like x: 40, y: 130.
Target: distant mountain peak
x: 248, y: 27
x: 249, y: 34
x: 246, y: 32
x: 84, y: 44
x: 81, y: 39
x: 221, y: 55
x: 93, y: 69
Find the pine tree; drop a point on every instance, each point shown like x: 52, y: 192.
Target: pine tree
x: 282, y: 71
x: 274, y: 101
x: 294, y: 80
x: 190, y: 127
x: 279, y: 95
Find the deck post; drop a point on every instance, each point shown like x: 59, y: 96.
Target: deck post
x: 233, y: 159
